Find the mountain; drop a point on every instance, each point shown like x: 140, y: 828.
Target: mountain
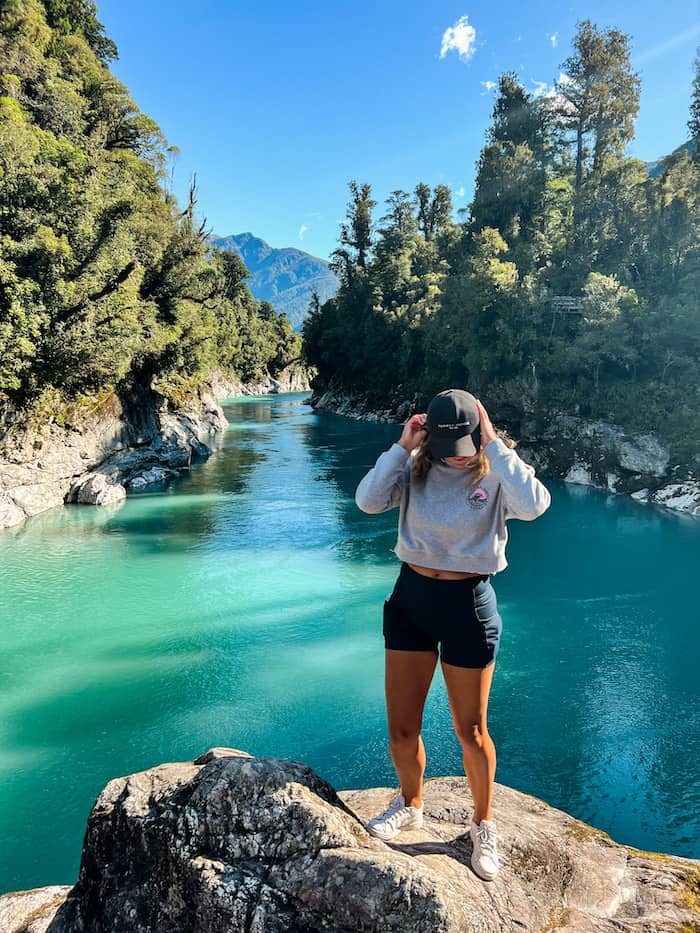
x: 655, y: 168
x: 285, y: 277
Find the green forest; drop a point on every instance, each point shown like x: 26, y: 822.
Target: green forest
x: 571, y: 284
x: 103, y: 277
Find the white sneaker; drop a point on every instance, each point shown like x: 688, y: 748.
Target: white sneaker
x: 485, y: 855
x: 396, y: 817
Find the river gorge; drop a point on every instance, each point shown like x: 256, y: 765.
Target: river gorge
x: 240, y: 605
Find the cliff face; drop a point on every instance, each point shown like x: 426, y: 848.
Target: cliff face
x: 292, y: 379
x: 231, y: 843
x: 124, y: 440
x: 121, y: 441
x: 567, y: 447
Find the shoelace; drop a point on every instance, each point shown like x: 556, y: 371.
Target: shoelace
x: 487, y: 841
x: 392, y: 811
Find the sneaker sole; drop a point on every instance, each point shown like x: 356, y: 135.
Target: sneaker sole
x: 483, y: 877
x: 385, y: 837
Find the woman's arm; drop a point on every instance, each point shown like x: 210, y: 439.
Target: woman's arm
x: 381, y: 489
x: 525, y: 496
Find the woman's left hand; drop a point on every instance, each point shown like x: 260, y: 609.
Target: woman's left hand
x: 488, y: 432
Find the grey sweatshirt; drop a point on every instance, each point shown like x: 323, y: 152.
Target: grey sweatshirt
x: 446, y: 524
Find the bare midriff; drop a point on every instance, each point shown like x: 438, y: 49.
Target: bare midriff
x: 443, y: 574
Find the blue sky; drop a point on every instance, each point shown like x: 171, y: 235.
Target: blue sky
x: 276, y: 106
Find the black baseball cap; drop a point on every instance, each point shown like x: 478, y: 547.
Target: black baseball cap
x: 452, y: 423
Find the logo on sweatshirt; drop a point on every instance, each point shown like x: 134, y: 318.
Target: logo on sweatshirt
x: 478, y: 498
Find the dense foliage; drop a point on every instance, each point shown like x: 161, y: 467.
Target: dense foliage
x: 102, y: 277
x: 558, y: 211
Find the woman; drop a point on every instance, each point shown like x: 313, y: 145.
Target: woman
x: 456, y: 484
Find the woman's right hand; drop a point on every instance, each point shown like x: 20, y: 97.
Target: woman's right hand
x: 413, y: 432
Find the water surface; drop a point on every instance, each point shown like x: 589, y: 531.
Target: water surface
x: 241, y: 605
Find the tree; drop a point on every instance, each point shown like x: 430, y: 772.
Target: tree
x: 102, y: 277
x: 604, y: 337
x: 694, y: 121
x: 355, y: 234
x: 434, y: 209
x: 601, y: 94
x: 511, y: 173
x: 69, y: 16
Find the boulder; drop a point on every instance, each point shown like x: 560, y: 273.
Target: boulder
x: 150, y: 476
x: 579, y: 474
x: 643, y: 453
x: 682, y: 497
x: 127, y: 436
x: 232, y: 843
x: 34, y: 911
x: 97, y: 489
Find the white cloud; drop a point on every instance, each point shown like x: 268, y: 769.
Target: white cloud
x: 460, y: 38
x: 488, y: 85
x: 540, y: 88
x: 551, y: 97
x: 667, y: 45
x: 519, y: 39
x: 302, y: 231
x: 460, y: 192
x: 554, y: 39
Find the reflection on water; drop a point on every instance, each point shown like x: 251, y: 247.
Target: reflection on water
x: 241, y: 605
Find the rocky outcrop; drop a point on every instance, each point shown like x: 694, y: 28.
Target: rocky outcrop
x: 124, y: 440
x: 231, y: 843
x: 292, y: 379
x: 600, y: 454
x: 359, y: 407
x: 566, y: 447
x: 127, y: 439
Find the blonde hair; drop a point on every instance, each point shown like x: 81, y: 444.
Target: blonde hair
x: 423, y: 461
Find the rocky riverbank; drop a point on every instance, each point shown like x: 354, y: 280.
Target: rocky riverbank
x: 95, y: 452
x: 570, y: 448
x: 291, y: 379
x: 232, y: 843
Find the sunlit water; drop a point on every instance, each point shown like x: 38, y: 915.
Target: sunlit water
x: 240, y: 606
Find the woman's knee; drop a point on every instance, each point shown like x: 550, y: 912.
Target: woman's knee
x: 402, y: 735
x: 472, y: 733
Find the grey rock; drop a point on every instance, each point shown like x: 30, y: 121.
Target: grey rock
x: 560, y: 446
x: 682, y: 497
x: 94, y: 461
x: 612, y: 479
x: 97, y: 489
x: 294, y: 378
x: 34, y: 911
x: 232, y: 843
x: 643, y: 453
x: 579, y: 474
x: 150, y: 476
x: 641, y: 495
x: 10, y: 513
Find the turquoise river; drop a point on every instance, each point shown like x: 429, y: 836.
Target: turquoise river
x: 240, y: 605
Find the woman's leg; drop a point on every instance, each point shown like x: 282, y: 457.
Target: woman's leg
x: 407, y: 680
x: 468, y: 690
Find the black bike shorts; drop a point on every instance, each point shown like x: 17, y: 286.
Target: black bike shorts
x: 458, y: 619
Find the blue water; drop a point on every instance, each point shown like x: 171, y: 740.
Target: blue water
x: 241, y: 605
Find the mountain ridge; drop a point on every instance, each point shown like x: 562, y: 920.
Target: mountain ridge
x: 285, y: 277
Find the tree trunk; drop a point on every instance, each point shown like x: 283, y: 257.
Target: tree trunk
x: 599, y: 140
x: 579, y: 153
